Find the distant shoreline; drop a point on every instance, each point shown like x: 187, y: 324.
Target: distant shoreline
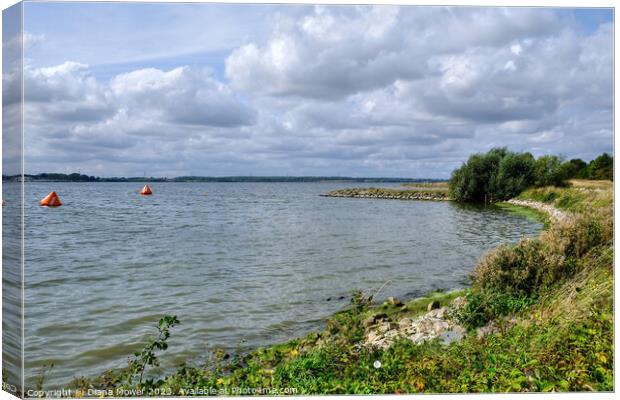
x: 52, y: 177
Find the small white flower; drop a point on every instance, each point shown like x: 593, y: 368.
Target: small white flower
x: 377, y: 364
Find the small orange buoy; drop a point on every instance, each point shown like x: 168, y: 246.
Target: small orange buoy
x: 146, y: 190
x: 51, y: 200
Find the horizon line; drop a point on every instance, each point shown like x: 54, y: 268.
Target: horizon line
x: 189, y: 177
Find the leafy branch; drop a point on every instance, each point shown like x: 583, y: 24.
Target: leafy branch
x: 142, y: 359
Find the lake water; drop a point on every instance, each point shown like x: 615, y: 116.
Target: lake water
x: 240, y: 264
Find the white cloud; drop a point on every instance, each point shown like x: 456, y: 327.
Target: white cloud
x: 338, y: 51
x: 182, y: 95
x: 18, y: 41
x: 510, y: 66
x: 342, y: 90
x: 71, y: 116
x: 330, y: 53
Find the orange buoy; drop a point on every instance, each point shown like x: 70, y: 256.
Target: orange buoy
x: 146, y: 190
x: 51, y: 200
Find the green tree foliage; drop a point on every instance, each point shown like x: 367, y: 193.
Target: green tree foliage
x: 550, y: 171
x: 494, y: 176
x: 602, y: 167
x: 478, y: 179
x: 577, y: 168
x: 516, y: 172
x: 501, y: 174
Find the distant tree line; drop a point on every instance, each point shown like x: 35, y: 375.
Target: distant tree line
x: 601, y: 168
x: 75, y: 177
x: 501, y: 174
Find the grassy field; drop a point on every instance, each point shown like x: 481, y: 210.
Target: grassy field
x: 582, y: 196
x: 548, y: 299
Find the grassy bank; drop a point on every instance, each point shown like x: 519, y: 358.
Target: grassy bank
x: 443, y: 185
x: 582, y: 196
x: 538, y: 317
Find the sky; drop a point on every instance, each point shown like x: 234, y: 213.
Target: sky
x: 219, y: 90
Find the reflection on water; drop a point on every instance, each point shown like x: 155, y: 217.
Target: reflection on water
x: 241, y: 264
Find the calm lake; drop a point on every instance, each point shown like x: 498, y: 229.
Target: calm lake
x: 241, y: 264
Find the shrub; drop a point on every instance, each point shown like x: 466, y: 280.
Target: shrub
x: 577, y: 168
x: 485, y: 305
x: 516, y: 173
x: 515, y: 276
x: 519, y: 269
x: 475, y: 181
x: 501, y: 174
x: 602, y: 167
x: 550, y: 171
x: 576, y: 236
x: 534, y: 264
x: 497, y: 175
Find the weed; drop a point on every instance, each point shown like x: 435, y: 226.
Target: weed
x: 142, y: 359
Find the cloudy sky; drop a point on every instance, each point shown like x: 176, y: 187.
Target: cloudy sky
x: 178, y: 89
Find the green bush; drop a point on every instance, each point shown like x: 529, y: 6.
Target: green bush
x: 516, y: 173
x: 577, y: 168
x: 602, y: 167
x: 485, y: 305
x: 477, y: 180
x: 534, y: 264
x: 501, y: 174
x: 550, y: 171
x: 497, y: 175
x: 577, y: 236
x: 520, y: 269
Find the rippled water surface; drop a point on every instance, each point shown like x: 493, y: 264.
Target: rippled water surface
x: 241, y: 264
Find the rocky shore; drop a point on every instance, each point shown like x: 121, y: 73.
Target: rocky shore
x: 383, y: 330
x: 395, y: 194
x: 554, y: 213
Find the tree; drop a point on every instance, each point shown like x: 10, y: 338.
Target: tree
x: 602, y: 167
x: 501, y: 174
x: 549, y: 171
x: 497, y: 175
x: 475, y: 181
x: 576, y: 168
x: 516, y: 173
